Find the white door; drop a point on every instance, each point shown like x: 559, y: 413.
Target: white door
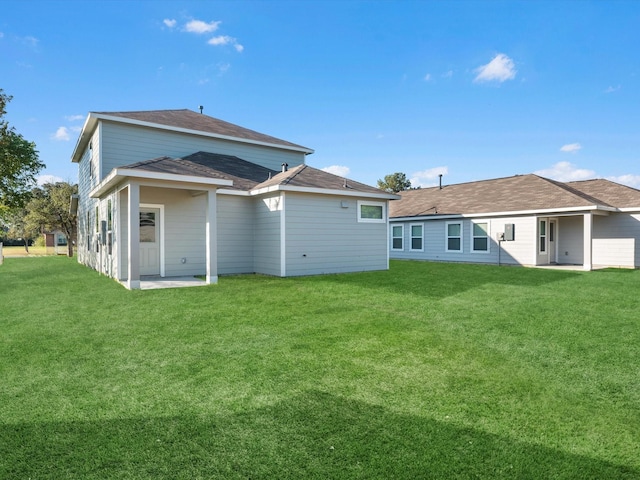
x: 553, y: 257
x: 149, y: 241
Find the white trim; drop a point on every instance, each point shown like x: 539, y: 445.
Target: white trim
x: 161, y: 208
x: 283, y: 235
x: 401, y: 237
x: 362, y: 203
x: 473, y: 237
x: 324, y: 191
x: 411, y: 237
x: 447, y: 237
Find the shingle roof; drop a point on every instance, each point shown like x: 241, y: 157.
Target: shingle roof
x: 190, y: 120
x: 248, y: 176
x: 511, y: 194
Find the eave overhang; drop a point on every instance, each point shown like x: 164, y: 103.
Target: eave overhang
x: 324, y: 191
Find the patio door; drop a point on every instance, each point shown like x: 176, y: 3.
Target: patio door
x: 553, y: 232
x: 149, y: 241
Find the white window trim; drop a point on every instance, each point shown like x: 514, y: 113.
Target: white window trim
x: 446, y: 236
x: 411, y: 237
x: 401, y: 237
x: 373, y: 204
x: 488, y: 237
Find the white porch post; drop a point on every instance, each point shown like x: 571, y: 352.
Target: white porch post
x: 133, y: 238
x: 588, y: 228
x: 211, y: 238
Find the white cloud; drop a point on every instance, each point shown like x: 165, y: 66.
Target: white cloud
x: 612, y: 89
x: 74, y: 118
x: 339, y: 170
x: 566, y: 172
x: 62, y: 134
x: 169, y: 22
x: 42, y: 179
x: 199, y: 27
x: 226, y: 40
x: 630, y: 180
x: 427, y: 178
x: 427, y: 77
x: 571, y: 147
x: 500, y: 69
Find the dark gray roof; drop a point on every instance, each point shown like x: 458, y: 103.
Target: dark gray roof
x: 511, y: 194
x: 190, y: 120
x: 248, y: 176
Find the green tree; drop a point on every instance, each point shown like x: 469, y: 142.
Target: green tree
x: 19, y: 163
x: 48, y: 210
x: 394, y: 183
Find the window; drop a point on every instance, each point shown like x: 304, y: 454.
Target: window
x: 97, y: 220
x: 109, y: 216
x: 147, y: 227
x: 454, y: 237
x: 371, y: 212
x: 87, y: 229
x: 416, y: 237
x: 397, y: 237
x: 543, y: 236
x: 480, y: 237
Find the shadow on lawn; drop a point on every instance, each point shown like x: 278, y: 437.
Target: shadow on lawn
x: 313, y: 435
x: 440, y: 279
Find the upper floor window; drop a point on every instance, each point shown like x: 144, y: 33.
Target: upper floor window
x: 397, y: 237
x: 454, y: 237
x: 372, y: 212
x: 480, y: 237
x: 417, y: 230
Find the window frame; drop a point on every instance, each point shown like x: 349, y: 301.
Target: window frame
x: 366, y: 203
x: 401, y: 237
x: 474, y: 236
x: 411, y: 237
x: 542, y: 236
x: 447, y: 236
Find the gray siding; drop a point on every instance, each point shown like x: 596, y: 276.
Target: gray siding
x: 521, y: 251
x: 322, y: 236
x: 571, y: 240
x: 235, y: 234
x: 616, y: 239
x: 266, y: 246
x: 127, y: 144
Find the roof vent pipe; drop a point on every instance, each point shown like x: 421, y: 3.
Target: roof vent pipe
x: 201, y: 108
x: 440, y: 175
x: 285, y: 167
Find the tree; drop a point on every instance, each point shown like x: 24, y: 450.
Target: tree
x: 394, y: 183
x: 19, y: 163
x: 48, y: 210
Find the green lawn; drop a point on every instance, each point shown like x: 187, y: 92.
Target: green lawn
x: 429, y: 370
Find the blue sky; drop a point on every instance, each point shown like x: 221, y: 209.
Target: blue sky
x: 472, y: 90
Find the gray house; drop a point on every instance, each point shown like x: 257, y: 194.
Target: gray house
x: 174, y: 193
x: 520, y: 220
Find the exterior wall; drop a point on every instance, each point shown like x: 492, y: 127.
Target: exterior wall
x: 616, y: 240
x: 87, y: 179
x: 267, y: 249
x: 235, y: 234
x: 184, y: 229
x: 520, y: 251
x: 570, y: 240
x: 323, y: 235
x: 127, y: 144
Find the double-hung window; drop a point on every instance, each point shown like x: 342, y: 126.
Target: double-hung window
x: 454, y: 237
x: 480, y: 237
x: 417, y: 237
x: 397, y: 237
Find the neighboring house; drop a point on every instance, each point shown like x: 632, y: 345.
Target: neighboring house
x: 523, y: 220
x: 55, y: 242
x: 175, y: 193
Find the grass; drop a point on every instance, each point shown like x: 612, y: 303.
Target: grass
x: 19, y: 251
x: 429, y: 370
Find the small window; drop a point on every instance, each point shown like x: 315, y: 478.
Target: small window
x: 372, y: 212
x: 147, y: 227
x: 543, y: 236
x: 454, y: 237
x: 109, y: 216
x: 417, y: 237
x: 397, y: 237
x: 480, y: 237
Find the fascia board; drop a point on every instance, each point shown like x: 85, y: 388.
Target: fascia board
x: 119, y: 174
x: 141, y: 123
x: 323, y: 191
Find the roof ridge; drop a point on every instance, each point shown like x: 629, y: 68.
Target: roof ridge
x: 575, y: 191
